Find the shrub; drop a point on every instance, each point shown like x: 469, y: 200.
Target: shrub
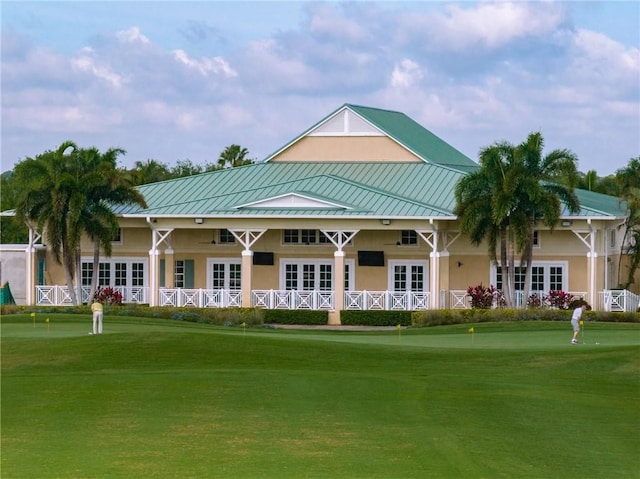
x: 108, y: 295
x: 375, y: 318
x: 558, y: 299
x: 483, y: 297
x: 295, y: 316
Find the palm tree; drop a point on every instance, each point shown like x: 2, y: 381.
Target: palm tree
x: 46, y: 184
x: 481, y: 199
x: 233, y: 156
x: 103, y: 186
x: 150, y: 171
x: 541, y: 194
x: 629, y: 182
x: 514, y: 189
x: 68, y: 193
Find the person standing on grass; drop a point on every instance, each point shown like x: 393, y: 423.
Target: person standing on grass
x: 575, y: 321
x: 96, y: 308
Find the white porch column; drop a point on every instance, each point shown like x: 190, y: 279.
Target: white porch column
x: 589, y: 239
x: 154, y: 255
x: 31, y: 274
x: 339, y: 239
x: 247, y: 238
x: 338, y: 289
x: 431, y: 238
x: 247, y: 277
x: 158, y: 236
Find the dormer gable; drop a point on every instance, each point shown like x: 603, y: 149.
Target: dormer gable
x: 293, y: 200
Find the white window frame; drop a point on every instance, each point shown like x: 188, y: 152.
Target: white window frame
x: 121, y: 259
x: 544, y: 264
x: 349, y: 267
x: 226, y: 262
x: 392, y: 263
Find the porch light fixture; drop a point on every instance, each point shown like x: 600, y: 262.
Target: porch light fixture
x: 385, y: 222
x: 199, y: 221
x: 566, y: 223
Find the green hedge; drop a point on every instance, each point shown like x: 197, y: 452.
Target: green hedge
x: 440, y: 317
x: 375, y: 318
x: 296, y: 316
x: 257, y: 317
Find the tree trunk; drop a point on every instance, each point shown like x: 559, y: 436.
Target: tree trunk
x: 527, y: 259
x: 96, y: 269
x: 69, y: 267
x: 504, y: 266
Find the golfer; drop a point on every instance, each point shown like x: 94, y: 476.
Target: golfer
x: 575, y: 321
x: 96, y: 308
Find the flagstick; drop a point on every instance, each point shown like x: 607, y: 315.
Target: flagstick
x: 399, y: 331
x: 33, y: 316
x: 244, y: 328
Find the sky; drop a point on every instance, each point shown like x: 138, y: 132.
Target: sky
x: 176, y: 81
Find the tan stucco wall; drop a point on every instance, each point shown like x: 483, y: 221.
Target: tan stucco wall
x: 345, y: 148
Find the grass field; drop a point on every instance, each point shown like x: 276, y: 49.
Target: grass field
x: 163, y: 399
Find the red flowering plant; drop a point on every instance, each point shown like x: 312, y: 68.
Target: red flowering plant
x: 484, y: 297
x: 535, y: 301
x: 108, y: 295
x: 558, y: 299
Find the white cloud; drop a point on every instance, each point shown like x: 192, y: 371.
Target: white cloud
x: 494, y: 24
x: 132, y: 35
x: 87, y: 62
x: 406, y: 73
x: 205, y: 66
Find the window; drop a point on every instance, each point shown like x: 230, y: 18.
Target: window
x: 226, y: 237
x: 304, y: 237
x: 312, y: 275
x: 612, y: 238
x: 224, y: 274
x: 121, y: 272
x: 408, y: 238
x: 117, y: 238
x: 408, y: 276
x: 536, y: 239
x: 544, y: 277
x: 178, y: 275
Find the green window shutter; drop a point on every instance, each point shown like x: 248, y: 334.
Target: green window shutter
x: 40, y: 271
x: 189, y: 267
x: 162, y: 270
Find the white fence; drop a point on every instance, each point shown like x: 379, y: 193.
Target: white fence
x: 608, y: 300
x: 619, y: 300
x: 56, y: 295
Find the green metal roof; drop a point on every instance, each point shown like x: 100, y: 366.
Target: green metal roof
x: 406, y: 132
x: 414, y: 136
x: 407, y: 190
x: 340, y: 189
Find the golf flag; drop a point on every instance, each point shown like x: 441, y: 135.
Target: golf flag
x: 244, y: 326
x: 399, y: 328
x: 47, y: 321
x: 581, y: 322
x: 33, y: 316
x: 471, y: 330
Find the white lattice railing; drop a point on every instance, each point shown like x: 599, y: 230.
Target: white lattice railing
x: 199, y: 298
x: 57, y: 295
x: 290, y: 299
x: 386, y: 300
x: 619, y: 300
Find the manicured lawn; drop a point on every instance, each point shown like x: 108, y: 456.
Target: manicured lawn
x: 163, y: 399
